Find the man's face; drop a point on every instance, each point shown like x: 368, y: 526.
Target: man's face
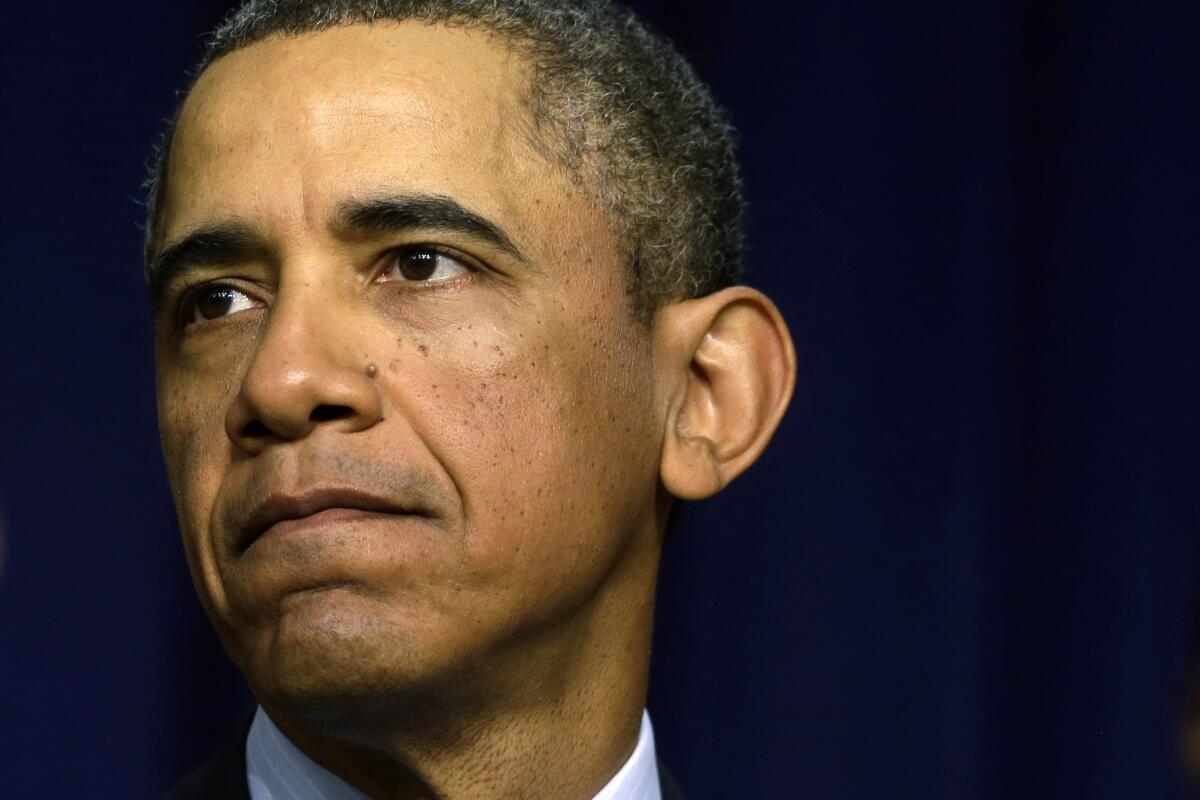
x: 409, y: 419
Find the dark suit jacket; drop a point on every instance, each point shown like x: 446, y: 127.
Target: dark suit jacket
x: 223, y: 775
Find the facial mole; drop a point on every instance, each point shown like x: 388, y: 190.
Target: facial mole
x: 372, y: 370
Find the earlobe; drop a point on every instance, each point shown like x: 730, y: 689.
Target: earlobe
x: 730, y: 368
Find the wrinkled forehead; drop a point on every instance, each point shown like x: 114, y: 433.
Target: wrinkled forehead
x: 293, y: 123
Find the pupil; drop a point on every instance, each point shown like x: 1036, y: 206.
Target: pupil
x: 418, y: 266
x: 215, y: 303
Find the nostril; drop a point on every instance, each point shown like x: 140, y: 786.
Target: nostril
x: 256, y: 430
x: 330, y: 413
x: 286, y: 429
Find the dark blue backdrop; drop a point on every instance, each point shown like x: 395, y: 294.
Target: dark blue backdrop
x: 967, y: 567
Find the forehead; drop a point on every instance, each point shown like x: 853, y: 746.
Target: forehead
x: 279, y: 132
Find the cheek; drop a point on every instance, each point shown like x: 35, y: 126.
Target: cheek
x: 547, y: 433
x: 191, y: 418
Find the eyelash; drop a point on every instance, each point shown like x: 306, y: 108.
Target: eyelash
x: 190, y: 292
x: 390, y: 258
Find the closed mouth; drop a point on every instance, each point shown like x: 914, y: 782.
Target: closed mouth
x: 324, y: 503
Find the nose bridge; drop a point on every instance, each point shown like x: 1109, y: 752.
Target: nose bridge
x: 304, y: 370
x: 292, y: 348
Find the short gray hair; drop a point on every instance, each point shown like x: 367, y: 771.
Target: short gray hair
x: 623, y: 111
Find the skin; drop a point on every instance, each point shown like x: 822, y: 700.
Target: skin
x: 488, y: 635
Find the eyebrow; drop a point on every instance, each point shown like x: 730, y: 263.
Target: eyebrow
x: 211, y: 245
x: 396, y: 214
x: 235, y: 240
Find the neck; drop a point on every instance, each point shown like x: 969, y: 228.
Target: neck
x: 555, y: 717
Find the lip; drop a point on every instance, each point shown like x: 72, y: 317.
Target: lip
x: 315, y: 507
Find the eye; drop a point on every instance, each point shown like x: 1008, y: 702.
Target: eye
x: 422, y: 264
x: 214, y: 301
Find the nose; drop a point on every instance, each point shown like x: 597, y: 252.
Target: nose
x: 306, y: 374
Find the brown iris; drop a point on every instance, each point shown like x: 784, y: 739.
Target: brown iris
x: 215, y: 302
x: 417, y: 265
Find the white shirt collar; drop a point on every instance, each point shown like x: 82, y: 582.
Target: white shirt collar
x: 277, y: 770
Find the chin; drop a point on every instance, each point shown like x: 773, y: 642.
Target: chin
x: 332, y: 655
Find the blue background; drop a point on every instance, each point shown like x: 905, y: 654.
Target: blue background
x: 967, y: 566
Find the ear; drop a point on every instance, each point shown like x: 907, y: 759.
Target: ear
x: 727, y: 368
